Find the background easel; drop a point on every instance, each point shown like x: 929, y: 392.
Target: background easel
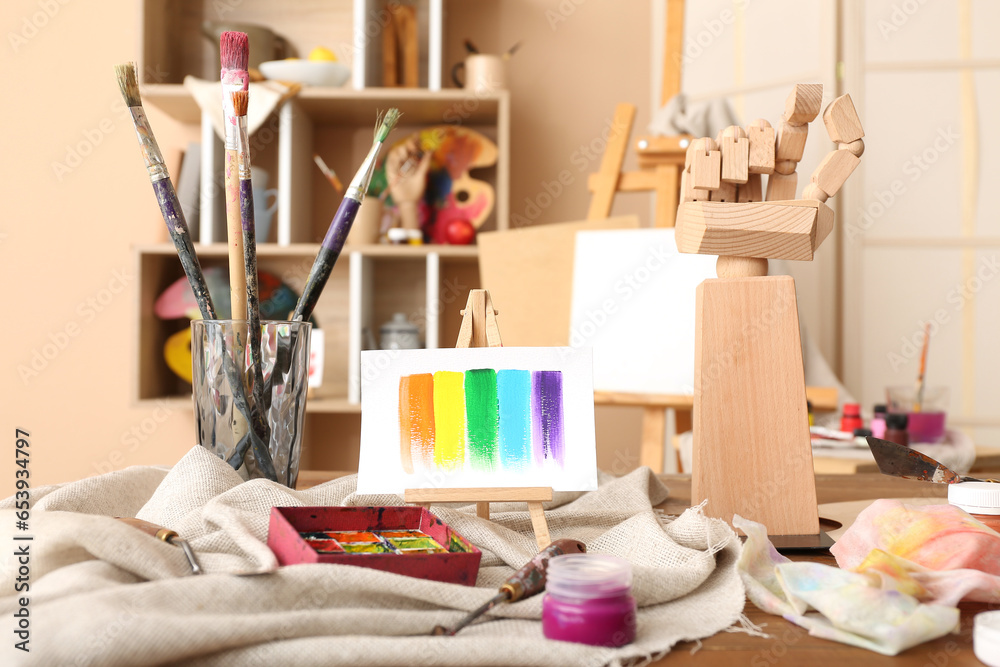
x: 479, y: 329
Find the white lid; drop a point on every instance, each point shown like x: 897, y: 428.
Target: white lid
x: 588, y: 576
x: 975, y: 497
x: 986, y: 637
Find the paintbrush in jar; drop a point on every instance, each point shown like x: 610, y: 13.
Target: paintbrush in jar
x: 234, y: 58
x: 173, y: 216
x: 336, y: 235
x: 166, y: 196
x: 918, y: 402
x: 240, y: 101
x: 234, y: 54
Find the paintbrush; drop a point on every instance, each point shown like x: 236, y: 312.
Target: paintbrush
x: 336, y: 235
x: 918, y: 403
x: 170, y: 207
x: 511, y: 51
x: 173, y: 216
x: 234, y: 56
x: 262, y: 457
x: 528, y: 581
x: 330, y: 174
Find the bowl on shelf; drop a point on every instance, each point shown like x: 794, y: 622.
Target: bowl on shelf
x: 307, y: 72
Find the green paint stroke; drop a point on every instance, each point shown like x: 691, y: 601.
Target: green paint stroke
x: 482, y: 418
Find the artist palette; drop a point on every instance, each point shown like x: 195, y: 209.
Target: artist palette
x: 404, y: 540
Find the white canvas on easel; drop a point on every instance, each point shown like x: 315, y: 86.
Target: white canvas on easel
x: 634, y: 303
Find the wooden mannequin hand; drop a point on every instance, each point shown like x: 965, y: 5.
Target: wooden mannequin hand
x: 406, y: 171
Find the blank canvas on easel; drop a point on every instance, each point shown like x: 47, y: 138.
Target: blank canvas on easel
x: 634, y: 304
x: 477, y: 417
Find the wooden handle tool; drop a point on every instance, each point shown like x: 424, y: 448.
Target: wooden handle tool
x: 528, y: 581
x: 166, y: 535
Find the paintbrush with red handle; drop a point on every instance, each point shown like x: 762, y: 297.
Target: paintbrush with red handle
x: 528, y: 581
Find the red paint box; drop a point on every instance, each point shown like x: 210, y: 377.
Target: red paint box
x: 459, y: 565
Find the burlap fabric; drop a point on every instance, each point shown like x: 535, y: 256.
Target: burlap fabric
x: 103, y: 593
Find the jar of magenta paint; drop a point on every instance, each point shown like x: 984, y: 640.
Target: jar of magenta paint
x: 588, y: 600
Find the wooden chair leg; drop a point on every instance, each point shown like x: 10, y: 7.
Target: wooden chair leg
x: 667, y: 190
x: 654, y: 432
x: 483, y: 510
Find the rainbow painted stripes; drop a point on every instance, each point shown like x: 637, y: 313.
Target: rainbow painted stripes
x: 482, y: 420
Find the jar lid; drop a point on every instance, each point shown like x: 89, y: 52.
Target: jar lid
x: 852, y: 409
x: 880, y: 407
x: 399, y: 324
x: 862, y: 432
x: 897, y: 421
x: 975, y: 497
x: 986, y: 637
x: 588, y: 576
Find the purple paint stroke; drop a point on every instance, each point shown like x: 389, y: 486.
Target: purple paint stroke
x: 548, y: 434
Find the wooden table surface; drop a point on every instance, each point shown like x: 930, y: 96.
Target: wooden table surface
x: 790, y: 644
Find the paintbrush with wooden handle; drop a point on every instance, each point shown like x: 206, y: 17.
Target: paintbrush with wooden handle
x: 234, y: 55
x: 336, y: 235
x: 262, y: 458
x: 173, y: 216
x: 528, y: 581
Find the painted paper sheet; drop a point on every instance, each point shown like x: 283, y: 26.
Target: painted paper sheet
x: 476, y: 417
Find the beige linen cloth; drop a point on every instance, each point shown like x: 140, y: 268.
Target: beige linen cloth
x: 103, y: 593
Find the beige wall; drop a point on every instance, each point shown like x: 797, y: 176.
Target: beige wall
x: 65, y: 238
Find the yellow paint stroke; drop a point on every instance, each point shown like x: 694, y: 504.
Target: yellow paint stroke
x: 970, y: 193
x: 449, y: 420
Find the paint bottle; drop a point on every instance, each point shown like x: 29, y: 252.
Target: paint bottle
x: 895, y: 429
x: 878, y: 421
x: 809, y: 409
x: 588, y: 600
x: 851, y: 418
x: 980, y: 499
x: 986, y: 637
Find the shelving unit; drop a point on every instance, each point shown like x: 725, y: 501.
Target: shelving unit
x: 369, y: 283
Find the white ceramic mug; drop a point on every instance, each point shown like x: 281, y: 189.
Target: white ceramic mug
x: 263, y: 213
x: 484, y: 73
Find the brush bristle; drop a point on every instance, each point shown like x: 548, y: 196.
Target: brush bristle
x: 241, y: 100
x: 389, y: 122
x: 128, y: 81
x: 234, y: 50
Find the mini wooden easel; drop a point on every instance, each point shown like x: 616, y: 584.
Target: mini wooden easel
x: 752, y: 454
x: 479, y: 329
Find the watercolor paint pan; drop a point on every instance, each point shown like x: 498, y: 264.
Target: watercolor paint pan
x: 456, y: 563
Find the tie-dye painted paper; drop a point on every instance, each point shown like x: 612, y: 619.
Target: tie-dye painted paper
x: 473, y: 417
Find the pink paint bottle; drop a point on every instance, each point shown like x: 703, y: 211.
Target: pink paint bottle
x: 588, y: 600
